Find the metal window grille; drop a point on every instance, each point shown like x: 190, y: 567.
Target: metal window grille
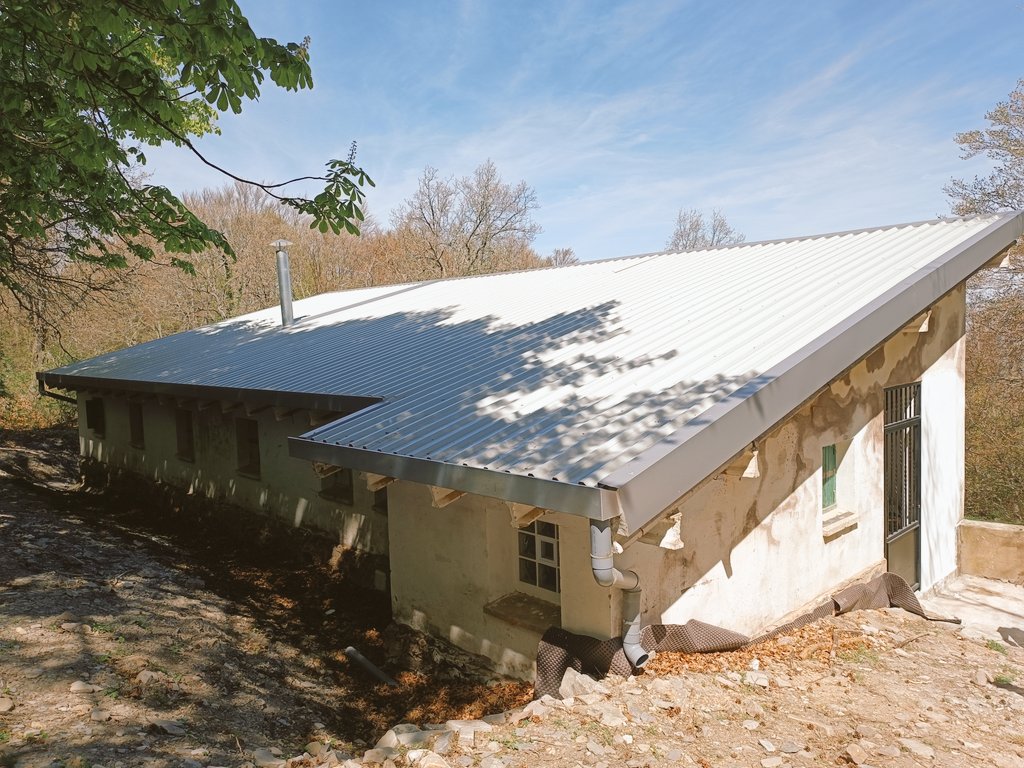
x: 902, y: 459
x: 828, y: 477
x: 538, y: 556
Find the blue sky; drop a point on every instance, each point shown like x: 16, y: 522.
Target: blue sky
x: 794, y: 118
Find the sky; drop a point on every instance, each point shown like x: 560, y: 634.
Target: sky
x: 793, y: 118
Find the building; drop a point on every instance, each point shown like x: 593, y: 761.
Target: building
x: 726, y: 435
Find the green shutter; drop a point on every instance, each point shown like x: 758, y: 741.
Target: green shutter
x: 828, y: 476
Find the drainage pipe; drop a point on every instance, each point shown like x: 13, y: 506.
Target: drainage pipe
x: 369, y: 666
x: 602, y: 562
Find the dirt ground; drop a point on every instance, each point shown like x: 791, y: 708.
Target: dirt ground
x: 141, y: 637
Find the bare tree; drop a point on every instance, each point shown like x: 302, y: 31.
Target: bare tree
x: 1002, y: 143
x: 468, y: 225
x: 563, y: 257
x: 694, y: 231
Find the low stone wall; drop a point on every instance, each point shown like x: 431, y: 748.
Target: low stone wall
x: 992, y: 550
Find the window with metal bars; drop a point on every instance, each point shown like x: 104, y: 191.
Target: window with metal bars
x: 902, y: 459
x: 95, y: 416
x: 538, y: 556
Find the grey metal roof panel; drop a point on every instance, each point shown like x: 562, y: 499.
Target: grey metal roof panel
x: 575, y: 375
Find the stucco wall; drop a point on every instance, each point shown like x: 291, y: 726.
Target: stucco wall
x: 286, y: 487
x: 992, y: 550
x: 448, y: 563
x: 754, y: 550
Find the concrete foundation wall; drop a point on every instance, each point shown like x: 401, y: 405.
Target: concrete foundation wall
x: 992, y: 550
x: 755, y: 549
x: 286, y: 487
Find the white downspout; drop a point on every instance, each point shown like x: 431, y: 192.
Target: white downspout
x: 602, y: 562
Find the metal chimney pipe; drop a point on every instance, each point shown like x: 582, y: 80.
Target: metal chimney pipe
x: 284, y: 281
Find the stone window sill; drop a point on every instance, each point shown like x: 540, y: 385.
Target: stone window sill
x: 525, y: 611
x: 837, y: 521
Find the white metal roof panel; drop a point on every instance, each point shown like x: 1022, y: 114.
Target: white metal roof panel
x: 570, y: 375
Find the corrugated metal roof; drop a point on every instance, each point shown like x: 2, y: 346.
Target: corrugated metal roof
x: 569, y: 375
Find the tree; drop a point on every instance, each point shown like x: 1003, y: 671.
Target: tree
x: 85, y: 87
x: 469, y: 225
x: 694, y: 232
x: 563, y: 257
x: 1002, y: 143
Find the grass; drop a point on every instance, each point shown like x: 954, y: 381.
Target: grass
x: 995, y: 645
x: 106, y: 627
x: 862, y: 655
x: 1004, y: 679
x: 5, y: 736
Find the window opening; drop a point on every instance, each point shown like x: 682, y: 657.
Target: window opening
x: 338, y: 486
x: 185, y: 434
x: 828, y: 477
x: 95, y: 416
x: 538, y: 556
x: 136, y: 429
x: 247, y: 442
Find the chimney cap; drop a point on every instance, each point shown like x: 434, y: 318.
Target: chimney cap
x: 280, y: 245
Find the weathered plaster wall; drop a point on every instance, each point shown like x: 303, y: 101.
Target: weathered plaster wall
x: 754, y: 550
x: 455, y: 560
x: 287, y: 487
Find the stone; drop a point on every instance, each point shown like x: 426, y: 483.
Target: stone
x: 443, y: 743
x: 595, y: 748
x: 80, y: 686
x: 314, y: 748
x: 772, y: 762
x: 766, y: 745
x: 492, y: 762
x: 918, y: 748
x: 855, y: 754
x: 981, y: 677
x: 147, y: 676
x: 754, y: 677
x: 887, y: 751
x: 674, y: 755
x: 866, y: 731
x: 6, y: 705
x: 536, y: 709
x: 168, y: 726
x: 751, y: 725
x: 264, y: 758
x: 99, y: 715
x: 609, y: 714
x: 379, y: 755
x: 33, y: 673
x: 790, y: 747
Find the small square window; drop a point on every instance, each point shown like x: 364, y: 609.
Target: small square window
x: 380, y: 501
x: 185, y: 433
x: 95, y: 416
x: 538, y: 556
x: 136, y: 428
x: 338, y: 486
x: 247, y: 442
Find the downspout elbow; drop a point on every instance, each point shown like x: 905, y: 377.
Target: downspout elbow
x: 602, y: 563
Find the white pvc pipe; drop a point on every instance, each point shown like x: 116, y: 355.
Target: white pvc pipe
x: 602, y: 562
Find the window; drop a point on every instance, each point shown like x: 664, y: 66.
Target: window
x: 95, y: 416
x: 538, y: 556
x: 337, y: 486
x: 828, y: 477
x: 380, y: 501
x: 186, y: 434
x: 247, y: 441
x: 136, y: 432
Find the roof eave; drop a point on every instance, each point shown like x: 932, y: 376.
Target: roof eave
x: 649, y: 484
x: 268, y: 397
x: 581, y: 500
